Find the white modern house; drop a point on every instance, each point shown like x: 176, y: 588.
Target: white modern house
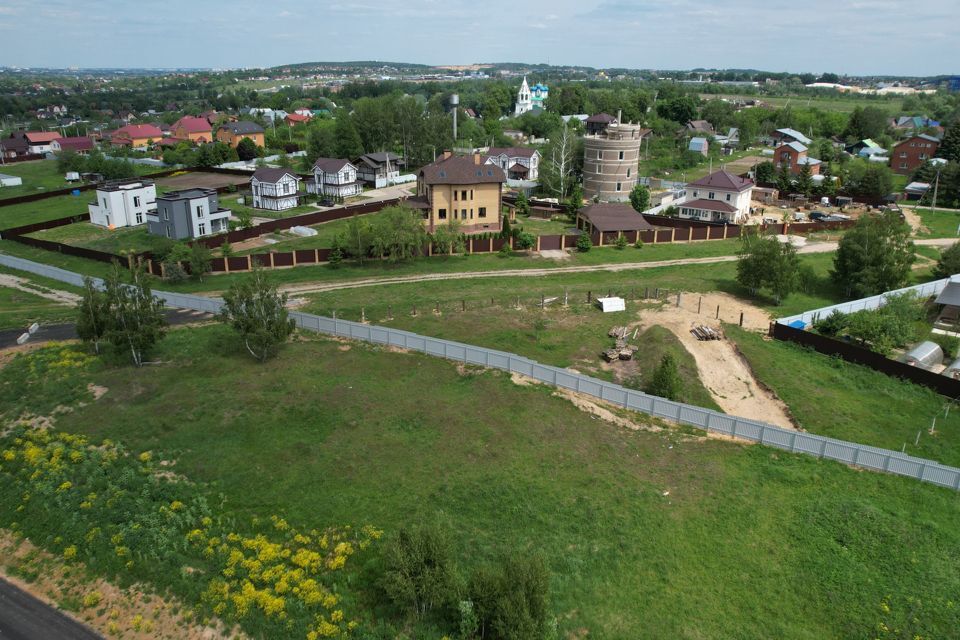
x: 274, y: 189
x: 718, y: 197
x: 335, y: 177
x: 518, y: 163
x: 123, y: 203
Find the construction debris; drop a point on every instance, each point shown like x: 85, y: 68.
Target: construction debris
x: 621, y: 350
x: 703, y: 332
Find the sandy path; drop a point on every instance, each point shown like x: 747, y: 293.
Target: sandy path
x: 723, y: 371
x: 20, y: 284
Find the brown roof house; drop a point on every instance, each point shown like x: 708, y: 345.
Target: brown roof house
x: 718, y: 197
x: 598, y: 123
x: 78, y: 144
x: 461, y: 188
x: 611, y: 217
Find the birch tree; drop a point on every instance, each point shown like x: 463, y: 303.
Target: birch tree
x: 560, y: 161
x: 136, y: 315
x: 93, y: 314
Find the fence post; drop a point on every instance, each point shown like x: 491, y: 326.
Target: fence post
x: 823, y: 447
x: 923, y: 467
x: 793, y: 441
x: 735, y: 423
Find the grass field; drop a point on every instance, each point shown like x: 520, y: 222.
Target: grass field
x: 48, y: 209
x: 646, y: 535
x: 851, y: 402
x: 942, y: 223
x: 91, y: 236
x: 19, y: 309
x: 38, y: 176
x: 892, y: 104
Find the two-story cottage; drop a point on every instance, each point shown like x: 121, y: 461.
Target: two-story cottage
x: 274, y: 189
x: 193, y: 129
x: 519, y: 163
x: 136, y: 136
x: 782, y: 136
x: 914, y: 151
x: 232, y: 133
x: 335, y: 177
x: 39, y: 142
x: 792, y: 156
x: 187, y: 214
x: 718, y: 197
x: 461, y: 188
x: 123, y: 203
x: 378, y: 169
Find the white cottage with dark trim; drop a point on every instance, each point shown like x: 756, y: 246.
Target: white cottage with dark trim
x: 335, y: 177
x: 274, y: 189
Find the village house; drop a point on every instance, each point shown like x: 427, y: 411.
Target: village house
x: 792, y: 156
x: 78, y: 144
x: 335, y: 177
x: 519, y: 163
x: 379, y: 169
x: 909, y: 154
x: 193, y: 129
x: 294, y: 119
x: 699, y: 145
x: 233, y: 132
x: 718, y: 197
x: 136, y: 136
x: 187, y: 214
x: 701, y: 127
x: 460, y: 188
x: 38, y: 142
x: 782, y: 136
x: 14, y: 146
x: 123, y: 203
x: 274, y: 189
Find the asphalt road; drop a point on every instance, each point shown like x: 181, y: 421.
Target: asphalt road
x: 50, y: 332
x: 23, y: 617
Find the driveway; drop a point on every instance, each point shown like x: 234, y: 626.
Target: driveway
x: 23, y: 617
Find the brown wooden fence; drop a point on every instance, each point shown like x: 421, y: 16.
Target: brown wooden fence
x: 852, y: 353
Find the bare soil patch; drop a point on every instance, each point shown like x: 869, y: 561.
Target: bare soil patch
x: 202, y: 180
x: 722, y: 370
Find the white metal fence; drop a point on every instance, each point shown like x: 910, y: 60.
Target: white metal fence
x: 922, y: 290
x: 863, y: 456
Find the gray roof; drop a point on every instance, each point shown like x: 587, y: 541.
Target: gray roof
x: 697, y: 144
x: 331, y: 165
x: 267, y: 174
x: 244, y: 126
x: 796, y: 135
x: 950, y: 294
x: 796, y: 146
x: 379, y: 157
x: 187, y: 194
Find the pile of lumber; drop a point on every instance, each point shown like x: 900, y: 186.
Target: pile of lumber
x: 703, y: 332
x: 621, y: 350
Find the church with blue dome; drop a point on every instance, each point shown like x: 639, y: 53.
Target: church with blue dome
x: 530, y: 98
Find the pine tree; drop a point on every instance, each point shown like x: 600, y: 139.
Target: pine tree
x: 666, y: 382
x: 950, y: 146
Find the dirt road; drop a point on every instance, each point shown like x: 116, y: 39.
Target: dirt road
x: 22, y: 284
x: 320, y: 287
x: 723, y: 371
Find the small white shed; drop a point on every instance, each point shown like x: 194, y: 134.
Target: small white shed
x: 612, y: 303
x: 10, y: 181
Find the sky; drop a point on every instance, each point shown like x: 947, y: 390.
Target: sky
x: 858, y: 37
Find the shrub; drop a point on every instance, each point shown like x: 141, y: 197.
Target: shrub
x: 947, y: 343
x: 639, y: 243
x: 833, y: 324
x: 621, y: 242
x: 584, y: 243
x: 525, y: 240
x: 510, y: 600
x: 666, y: 381
x: 420, y: 576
